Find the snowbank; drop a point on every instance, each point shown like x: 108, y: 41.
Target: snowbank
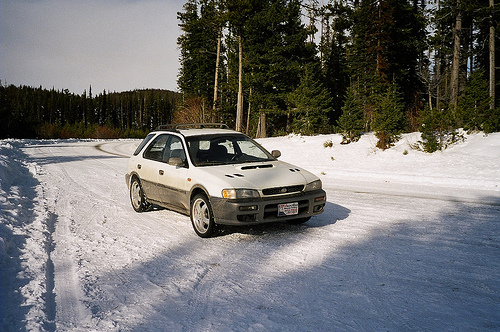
x: 23, y: 240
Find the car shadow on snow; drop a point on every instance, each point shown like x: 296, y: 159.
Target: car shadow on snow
x: 333, y: 213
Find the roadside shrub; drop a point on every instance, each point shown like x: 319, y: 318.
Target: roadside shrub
x: 49, y: 130
x: 438, y: 129
x: 105, y: 132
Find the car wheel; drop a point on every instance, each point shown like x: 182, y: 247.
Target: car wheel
x: 137, y: 197
x: 201, y: 216
x: 298, y: 221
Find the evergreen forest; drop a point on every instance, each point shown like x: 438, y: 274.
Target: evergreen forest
x: 273, y: 67
x: 27, y: 112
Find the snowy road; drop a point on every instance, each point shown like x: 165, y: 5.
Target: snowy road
x: 382, y: 257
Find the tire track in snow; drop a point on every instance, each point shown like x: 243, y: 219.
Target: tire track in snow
x: 64, y: 293
x: 50, y: 297
x: 114, y: 144
x: 81, y: 208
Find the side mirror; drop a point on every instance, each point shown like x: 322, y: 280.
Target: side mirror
x: 276, y: 154
x: 176, y: 161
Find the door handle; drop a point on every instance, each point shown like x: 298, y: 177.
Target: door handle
x: 139, y: 166
x: 161, y: 172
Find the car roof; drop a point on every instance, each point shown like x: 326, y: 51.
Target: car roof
x: 196, y: 129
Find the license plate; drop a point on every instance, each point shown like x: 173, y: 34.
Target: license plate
x: 288, y: 209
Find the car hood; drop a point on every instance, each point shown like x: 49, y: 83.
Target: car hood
x: 259, y: 175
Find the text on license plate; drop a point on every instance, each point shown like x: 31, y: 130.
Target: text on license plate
x: 288, y: 209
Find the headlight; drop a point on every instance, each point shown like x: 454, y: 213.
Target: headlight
x: 315, y: 185
x: 240, y: 193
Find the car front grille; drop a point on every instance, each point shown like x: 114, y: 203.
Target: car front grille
x: 282, y: 190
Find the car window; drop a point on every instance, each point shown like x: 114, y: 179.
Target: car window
x: 174, y: 149
x: 156, y: 149
x: 228, y: 149
x: 143, y: 143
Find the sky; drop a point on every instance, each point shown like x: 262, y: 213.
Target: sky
x: 112, y: 45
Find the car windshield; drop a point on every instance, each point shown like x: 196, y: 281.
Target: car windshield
x: 228, y: 149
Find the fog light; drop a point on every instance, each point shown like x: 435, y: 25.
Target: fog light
x: 248, y: 208
x: 247, y: 217
x: 318, y: 208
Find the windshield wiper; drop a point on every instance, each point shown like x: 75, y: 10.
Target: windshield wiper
x: 210, y: 163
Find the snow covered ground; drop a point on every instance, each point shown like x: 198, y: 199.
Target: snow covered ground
x: 408, y: 242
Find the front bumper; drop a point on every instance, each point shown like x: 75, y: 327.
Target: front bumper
x: 263, y: 210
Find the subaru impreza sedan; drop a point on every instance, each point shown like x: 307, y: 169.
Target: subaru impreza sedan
x: 219, y: 176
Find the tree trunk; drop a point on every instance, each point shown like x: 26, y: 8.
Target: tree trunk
x: 456, y: 57
x: 216, y: 83
x: 492, y: 58
x: 249, y: 109
x: 239, y: 108
x: 261, y: 127
x: 429, y: 84
x: 437, y: 78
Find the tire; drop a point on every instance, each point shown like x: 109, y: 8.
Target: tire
x: 137, y: 197
x: 298, y: 221
x: 201, y: 215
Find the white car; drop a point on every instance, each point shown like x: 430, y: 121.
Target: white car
x: 219, y: 176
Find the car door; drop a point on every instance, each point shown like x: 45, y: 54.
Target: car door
x: 150, y: 165
x: 172, y: 179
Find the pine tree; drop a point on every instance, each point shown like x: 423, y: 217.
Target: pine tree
x: 388, y: 43
x: 277, y: 51
x: 198, y: 44
x: 351, y: 122
x: 474, y: 112
x: 438, y: 128
x: 389, y: 118
x: 336, y: 24
x: 310, y: 104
